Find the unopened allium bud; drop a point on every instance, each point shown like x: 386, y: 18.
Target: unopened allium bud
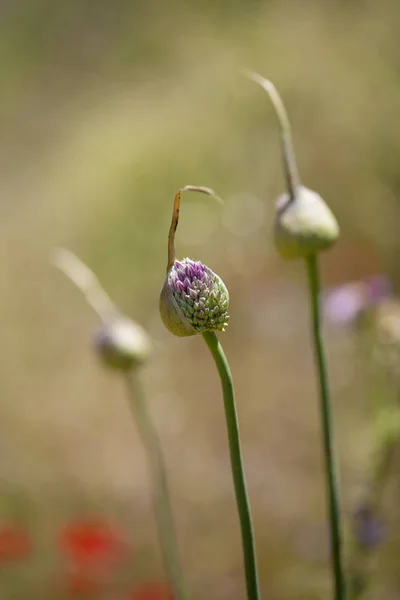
x: 193, y: 299
x: 120, y: 342
x: 304, y: 224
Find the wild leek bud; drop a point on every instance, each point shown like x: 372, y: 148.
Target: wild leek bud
x: 304, y: 224
x: 120, y: 343
x: 193, y: 299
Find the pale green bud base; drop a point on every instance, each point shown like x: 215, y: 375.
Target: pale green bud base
x: 304, y: 225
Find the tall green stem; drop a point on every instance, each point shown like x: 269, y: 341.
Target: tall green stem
x: 329, y: 455
x: 249, y: 550
x: 162, y: 504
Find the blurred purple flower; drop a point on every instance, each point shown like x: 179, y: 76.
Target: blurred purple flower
x: 368, y: 529
x: 343, y: 304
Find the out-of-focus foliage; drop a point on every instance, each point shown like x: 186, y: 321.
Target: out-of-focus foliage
x: 106, y: 108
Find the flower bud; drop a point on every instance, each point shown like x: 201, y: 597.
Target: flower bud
x: 122, y: 344
x: 194, y: 299
x: 304, y: 225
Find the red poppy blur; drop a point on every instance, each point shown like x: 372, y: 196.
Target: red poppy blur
x: 14, y: 543
x: 80, y: 584
x: 151, y: 591
x: 91, y: 541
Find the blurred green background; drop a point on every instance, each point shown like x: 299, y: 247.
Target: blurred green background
x: 106, y: 108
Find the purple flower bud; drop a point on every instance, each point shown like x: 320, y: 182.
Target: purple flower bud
x: 194, y: 299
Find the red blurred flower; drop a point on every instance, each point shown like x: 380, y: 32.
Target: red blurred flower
x: 151, y: 591
x: 14, y: 543
x: 94, y: 548
x: 81, y: 584
x: 91, y: 541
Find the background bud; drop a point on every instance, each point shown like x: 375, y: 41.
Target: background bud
x: 304, y: 224
x: 122, y: 344
x: 194, y: 299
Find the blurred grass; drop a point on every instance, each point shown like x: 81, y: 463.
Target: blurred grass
x: 105, y: 110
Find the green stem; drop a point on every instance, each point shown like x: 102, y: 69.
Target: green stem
x: 162, y: 504
x: 330, y: 467
x: 249, y: 550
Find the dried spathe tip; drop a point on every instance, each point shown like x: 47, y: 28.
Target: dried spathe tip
x: 120, y: 343
x: 176, y: 213
x: 304, y: 224
x: 289, y: 158
x: 193, y: 299
x: 86, y: 281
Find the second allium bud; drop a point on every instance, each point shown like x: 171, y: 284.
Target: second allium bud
x: 304, y: 223
x: 122, y: 344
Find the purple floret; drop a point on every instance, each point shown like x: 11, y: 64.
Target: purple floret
x: 184, y: 272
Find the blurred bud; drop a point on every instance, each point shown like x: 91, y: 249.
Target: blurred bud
x: 122, y: 344
x: 304, y: 224
x: 194, y: 299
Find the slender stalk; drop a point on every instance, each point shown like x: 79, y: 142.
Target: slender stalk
x: 329, y: 455
x: 162, y: 504
x: 248, y: 542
